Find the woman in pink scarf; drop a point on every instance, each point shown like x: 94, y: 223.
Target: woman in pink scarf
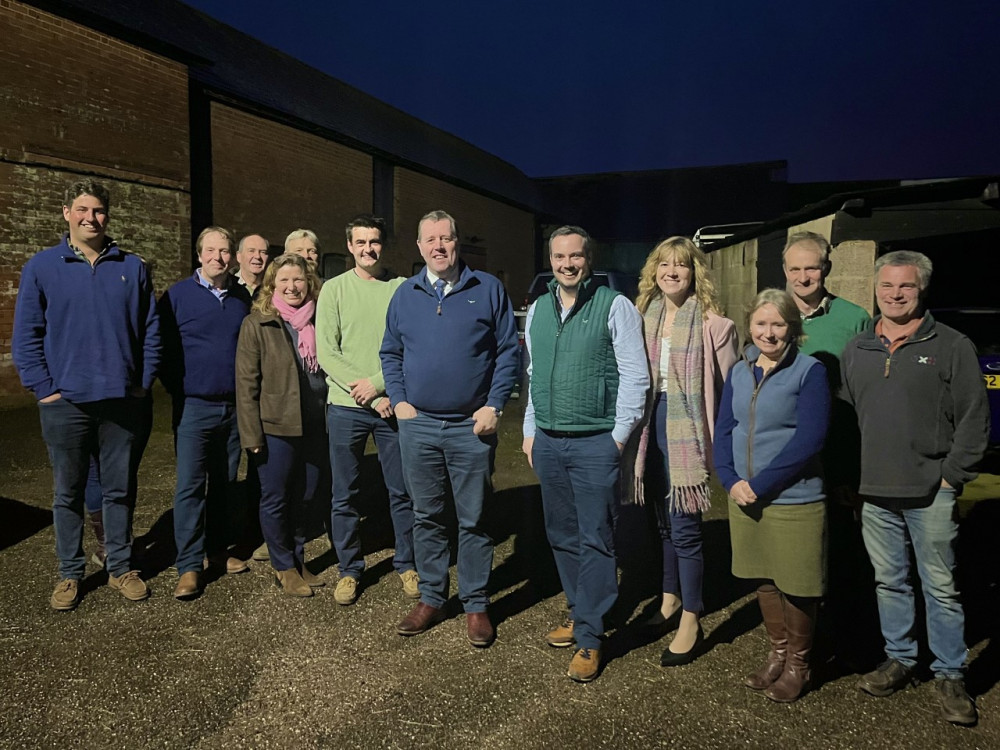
x: 280, y: 405
x: 691, y: 348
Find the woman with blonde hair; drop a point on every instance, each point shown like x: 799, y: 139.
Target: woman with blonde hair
x: 772, y: 424
x: 691, y: 348
x: 281, y: 408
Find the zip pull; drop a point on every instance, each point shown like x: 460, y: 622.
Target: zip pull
x: 439, y: 307
x: 888, y: 361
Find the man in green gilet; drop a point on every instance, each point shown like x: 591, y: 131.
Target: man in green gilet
x: 589, y: 377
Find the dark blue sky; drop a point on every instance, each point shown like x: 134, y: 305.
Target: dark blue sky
x: 856, y: 89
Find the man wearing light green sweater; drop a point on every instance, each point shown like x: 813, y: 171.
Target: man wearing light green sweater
x: 350, y: 323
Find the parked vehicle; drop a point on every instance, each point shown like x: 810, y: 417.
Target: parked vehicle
x: 982, y: 326
x: 626, y: 283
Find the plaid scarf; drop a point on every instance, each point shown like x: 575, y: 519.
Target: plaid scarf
x: 686, y: 438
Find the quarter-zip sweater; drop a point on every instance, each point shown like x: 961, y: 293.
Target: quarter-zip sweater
x: 200, y: 332
x: 574, y: 373
x: 451, y: 358
x: 922, y: 411
x: 89, y: 332
x: 771, y: 428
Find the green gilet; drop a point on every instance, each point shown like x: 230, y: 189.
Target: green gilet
x: 574, y: 373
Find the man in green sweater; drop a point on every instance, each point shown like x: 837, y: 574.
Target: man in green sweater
x: 350, y: 323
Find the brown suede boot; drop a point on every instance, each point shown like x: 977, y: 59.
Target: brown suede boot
x: 800, y: 617
x: 772, y: 608
x: 97, y: 524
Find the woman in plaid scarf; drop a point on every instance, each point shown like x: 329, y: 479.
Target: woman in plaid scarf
x: 691, y: 349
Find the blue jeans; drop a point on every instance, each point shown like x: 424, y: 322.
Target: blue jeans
x: 208, y: 459
x: 932, y: 532
x: 435, y: 453
x: 680, y: 533
x: 290, y: 470
x: 349, y: 429
x: 112, y: 430
x: 578, y: 476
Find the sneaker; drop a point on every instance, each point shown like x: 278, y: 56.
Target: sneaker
x: 129, y: 585
x: 346, y: 591
x: 889, y: 677
x: 66, y: 595
x: 562, y: 636
x: 261, y: 554
x: 410, y: 579
x: 585, y: 665
x: 956, y: 705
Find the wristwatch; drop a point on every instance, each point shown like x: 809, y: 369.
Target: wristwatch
x: 498, y: 412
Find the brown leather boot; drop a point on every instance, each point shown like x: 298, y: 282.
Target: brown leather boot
x: 97, y: 524
x: 772, y: 609
x: 800, y: 617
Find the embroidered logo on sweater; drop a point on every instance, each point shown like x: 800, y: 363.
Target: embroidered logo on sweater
x: 924, y: 359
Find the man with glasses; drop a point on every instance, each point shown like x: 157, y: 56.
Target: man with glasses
x: 451, y: 331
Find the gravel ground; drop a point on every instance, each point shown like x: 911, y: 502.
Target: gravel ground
x: 246, y: 667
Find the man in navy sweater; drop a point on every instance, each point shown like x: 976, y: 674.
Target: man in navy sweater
x: 86, y: 342
x: 451, y: 331
x: 201, y: 318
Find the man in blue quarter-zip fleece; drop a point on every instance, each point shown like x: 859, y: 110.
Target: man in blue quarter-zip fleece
x: 201, y: 317
x: 449, y: 361
x: 87, y: 343
x: 921, y: 403
x: 589, y: 376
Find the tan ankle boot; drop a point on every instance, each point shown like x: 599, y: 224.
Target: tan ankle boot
x: 292, y: 584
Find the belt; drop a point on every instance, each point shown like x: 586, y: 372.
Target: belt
x: 562, y: 434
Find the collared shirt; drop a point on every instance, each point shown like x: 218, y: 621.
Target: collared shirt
x: 905, y: 332
x: 108, y: 244
x: 220, y: 294
x: 243, y: 282
x: 433, y: 277
x: 821, y: 309
x: 625, y: 326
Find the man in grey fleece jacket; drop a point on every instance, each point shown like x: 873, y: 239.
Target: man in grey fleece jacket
x: 924, y: 420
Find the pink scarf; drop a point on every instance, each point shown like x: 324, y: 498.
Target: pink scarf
x: 301, y: 319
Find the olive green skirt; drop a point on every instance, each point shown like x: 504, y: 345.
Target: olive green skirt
x: 783, y: 543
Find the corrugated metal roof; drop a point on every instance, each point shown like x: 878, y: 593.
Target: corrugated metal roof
x: 229, y: 62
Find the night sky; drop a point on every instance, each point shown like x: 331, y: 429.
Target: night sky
x: 856, y: 89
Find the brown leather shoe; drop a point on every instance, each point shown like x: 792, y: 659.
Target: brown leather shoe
x: 480, y: 629
x: 291, y: 583
x: 585, y: 665
x: 421, y: 618
x: 235, y: 565
x: 188, y: 587
x: 562, y: 636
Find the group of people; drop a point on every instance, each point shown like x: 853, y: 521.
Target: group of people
x: 628, y: 402
x: 640, y: 402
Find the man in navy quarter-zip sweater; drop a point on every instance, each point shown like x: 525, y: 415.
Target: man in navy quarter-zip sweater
x: 86, y: 342
x: 449, y: 361
x: 201, y: 318
x: 922, y: 410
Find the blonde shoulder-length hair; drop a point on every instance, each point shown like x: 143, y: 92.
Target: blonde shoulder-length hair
x: 682, y: 250
x: 264, y: 303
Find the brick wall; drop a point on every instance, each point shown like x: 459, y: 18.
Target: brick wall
x: 70, y: 93
x: 496, y: 237
x: 78, y: 103
x: 271, y: 178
